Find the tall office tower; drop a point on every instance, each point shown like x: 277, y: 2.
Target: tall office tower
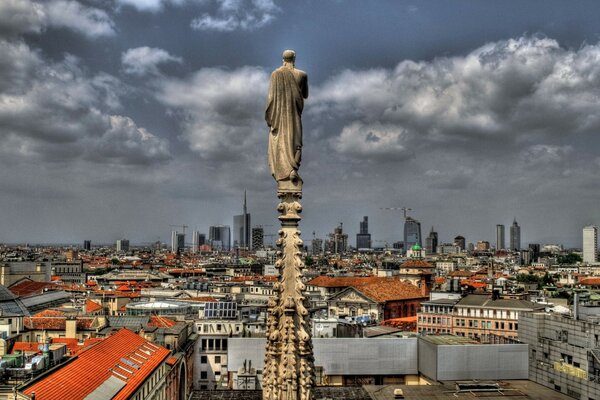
x: 198, y: 239
x: 317, y: 246
x: 515, y: 236
x: 460, y: 242
x: 173, y: 241
x: 431, y: 242
x: 180, y: 243
x: 122, y: 245
x: 258, y: 238
x: 412, y: 233
x: 338, y: 241
x: 87, y: 244
x: 241, y: 228
x: 590, y: 244
x: 363, y: 238
x: 219, y: 237
x: 195, y: 244
x: 500, y: 244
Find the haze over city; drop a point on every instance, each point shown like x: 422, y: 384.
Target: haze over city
x: 121, y: 117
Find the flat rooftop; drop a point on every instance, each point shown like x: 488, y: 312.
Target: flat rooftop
x: 449, y: 339
x: 517, y: 390
x: 331, y: 392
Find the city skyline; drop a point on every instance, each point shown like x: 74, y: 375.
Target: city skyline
x: 120, y: 118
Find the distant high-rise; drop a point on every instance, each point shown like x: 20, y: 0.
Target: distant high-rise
x: 241, y: 228
x: 198, y: 239
x: 219, y: 237
x: 87, y: 244
x: 500, y: 244
x: 431, y: 242
x: 515, y: 236
x: 258, y: 238
x: 460, y: 242
x: 177, y: 241
x: 412, y: 233
x: 338, y: 241
x: 122, y: 245
x: 590, y: 244
x: 534, y: 249
x: 363, y: 238
x: 317, y: 246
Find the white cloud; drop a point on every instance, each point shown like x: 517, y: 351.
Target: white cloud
x: 221, y: 111
x: 234, y: 15
x: 372, y: 141
x: 511, y: 91
x: 22, y: 16
x: 149, y: 5
x: 56, y: 111
x: 145, y: 60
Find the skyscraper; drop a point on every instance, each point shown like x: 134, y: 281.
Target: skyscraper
x: 219, y: 237
x: 198, y: 239
x: 590, y: 244
x: 174, y: 241
x: 431, y: 242
x: 363, y: 238
x: 500, y: 244
x: 412, y: 233
x: 460, y: 242
x: 87, y: 244
x: 258, y: 238
x: 515, y: 236
x: 241, y: 228
x: 338, y: 241
x: 122, y: 245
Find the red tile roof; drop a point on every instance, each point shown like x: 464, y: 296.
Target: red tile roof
x: 57, y: 323
x: 92, y: 306
x: 27, y: 288
x: 340, y: 281
x: 158, y: 321
x: 416, y: 264
x: 390, y: 289
x: 592, y: 281
x: 26, y: 346
x: 92, y: 367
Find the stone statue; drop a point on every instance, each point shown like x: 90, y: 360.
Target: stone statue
x: 287, y: 90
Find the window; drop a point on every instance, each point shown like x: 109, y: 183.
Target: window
x: 203, y: 375
x: 203, y: 359
x: 217, y: 359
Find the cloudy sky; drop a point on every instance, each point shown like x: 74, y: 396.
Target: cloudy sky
x: 121, y: 117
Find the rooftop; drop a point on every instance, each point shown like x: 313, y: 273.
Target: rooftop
x: 92, y: 372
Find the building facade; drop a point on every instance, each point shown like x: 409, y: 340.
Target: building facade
x: 500, y: 243
x: 219, y: 237
x: 363, y: 238
x: 412, y: 233
x: 590, y: 244
x: 515, y: 236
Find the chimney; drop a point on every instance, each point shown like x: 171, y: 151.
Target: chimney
x: 424, y: 287
x: 71, y: 328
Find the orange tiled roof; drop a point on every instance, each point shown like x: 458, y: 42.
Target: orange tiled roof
x: 49, y: 313
x: 416, y: 264
x: 75, y: 346
x: 340, y: 281
x: 389, y: 289
x: 203, y: 298
x: 92, y: 367
x: 26, y: 346
x: 56, y: 322
x: 92, y: 306
x: 172, y: 360
x: 158, y: 321
x: 591, y: 281
x: 28, y: 288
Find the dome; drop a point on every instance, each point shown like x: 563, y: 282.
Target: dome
x: 416, y: 247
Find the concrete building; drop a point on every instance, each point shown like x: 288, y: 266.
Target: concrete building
x: 258, y: 238
x: 363, y: 237
x: 198, y: 239
x: 515, y: 236
x: 590, y: 244
x: 500, y: 243
x: 122, y: 245
x: 338, y: 241
x: 460, y: 242
x: 219, y: 237
x: 412, y: 233
x: 431, y: 242
x: 564, y: 353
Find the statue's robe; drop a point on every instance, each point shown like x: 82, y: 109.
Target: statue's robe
x: 285, y: 102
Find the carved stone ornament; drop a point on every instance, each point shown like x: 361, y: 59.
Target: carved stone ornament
x: 288, y: 372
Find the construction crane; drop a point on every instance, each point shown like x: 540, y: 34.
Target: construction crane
x: 403, y: 209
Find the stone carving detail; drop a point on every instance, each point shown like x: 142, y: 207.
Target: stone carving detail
x: 288, y: 372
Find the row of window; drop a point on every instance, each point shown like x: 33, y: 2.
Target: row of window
x: 473, y: 323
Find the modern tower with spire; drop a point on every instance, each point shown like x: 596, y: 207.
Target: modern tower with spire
x: 241, y: 228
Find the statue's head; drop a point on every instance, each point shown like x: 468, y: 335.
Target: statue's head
x: 289, y: 56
